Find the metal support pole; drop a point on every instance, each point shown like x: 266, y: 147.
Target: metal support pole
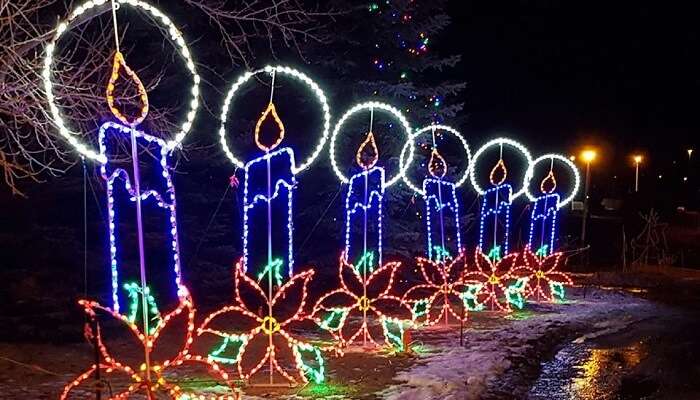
x: 585, y: 204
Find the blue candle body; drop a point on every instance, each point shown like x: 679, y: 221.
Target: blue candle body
x: 363, y: 213
x: 159, y: 214
x: 494, y: 224
x: 543, y: 224
x: 441, y: 218
x: 267, y: 212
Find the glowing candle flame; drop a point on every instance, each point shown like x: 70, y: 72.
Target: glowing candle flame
x: 500, y: 167
x: 269, y: 111
x: 437, y: 165
x: 118, y: 64
x: 552, y: 182
x: 367, y: 157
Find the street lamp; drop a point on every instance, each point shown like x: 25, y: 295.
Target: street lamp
x: 587, y: 156
x: 637, y: 160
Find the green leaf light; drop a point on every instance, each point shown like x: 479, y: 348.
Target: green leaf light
x: 272, y: 268
x: 557, y: 289
x: 470, y: 297
x: 229, y: 352
x: 420, y: 308
x: 495, y: 254
x: 514, y: 293
x: 134, y: 293
x: 393, y: 332
x: 335, y: 319
x: 441, y: 254
x: 309, y: 361
x: 366, y: 261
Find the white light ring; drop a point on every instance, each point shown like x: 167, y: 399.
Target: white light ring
x: 285, y: 71
x: 531, y: 171
x: 446, y: 128
x: 368, y: 106
x: 175, y: 35
x: 492, y: 142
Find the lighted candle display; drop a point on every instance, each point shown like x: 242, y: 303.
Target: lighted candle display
x: 543, y: 219
x: 267, y: 204
x: 443, y: 234
x: 267, y: 265
x: 157, y: 199
x: 363, y: 207
x: 542, y: 235
x: 363, y: 221
x: 494, y: 222
x: 127, y: 195
x: 494, y: 218
x: 441, y: 210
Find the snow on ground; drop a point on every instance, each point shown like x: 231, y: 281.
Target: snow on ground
x: 500, y: 359
x: 451, y: 372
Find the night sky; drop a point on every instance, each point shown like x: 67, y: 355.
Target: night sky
x: 617, y: 74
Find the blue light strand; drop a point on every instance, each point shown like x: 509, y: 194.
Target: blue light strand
x: 170, y: 205
x: 374, y: 196
x: 487, y: 211
x: 249, y: 205
x: 433, y: 202
x: 544, y: 208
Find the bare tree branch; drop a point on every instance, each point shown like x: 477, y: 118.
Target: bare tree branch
x: 30, y: 146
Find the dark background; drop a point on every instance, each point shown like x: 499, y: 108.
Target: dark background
x: 620, y: 76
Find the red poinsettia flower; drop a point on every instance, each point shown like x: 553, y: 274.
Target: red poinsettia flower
x: 545, y: 282
x: 434, y: 299
x: 149, y: 383
x: 493, y: 276
x: 265, y: 323
x: 363, y: 309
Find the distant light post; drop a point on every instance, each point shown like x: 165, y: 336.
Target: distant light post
x: 587, y: 156
x: 637, y: 160
x: 690, y: 153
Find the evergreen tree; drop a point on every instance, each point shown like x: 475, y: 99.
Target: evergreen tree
x: 383, y: 50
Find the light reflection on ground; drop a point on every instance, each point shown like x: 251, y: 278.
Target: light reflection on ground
x: 581, y: 372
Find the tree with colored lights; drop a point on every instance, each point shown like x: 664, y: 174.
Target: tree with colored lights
x: 384, y: 50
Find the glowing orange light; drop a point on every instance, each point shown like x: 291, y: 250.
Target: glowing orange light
x: 437, y: 165
x: 588, y: 155
x: 500, y: 167
x: 269, y: 111
x: 367, y: 162
x: 637, y: 159
x: 548, y: 179
x: 117, y: 65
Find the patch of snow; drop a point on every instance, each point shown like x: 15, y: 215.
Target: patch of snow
x: 456, y: 373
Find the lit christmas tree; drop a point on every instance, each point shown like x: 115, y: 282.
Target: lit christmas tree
x: 383, y: 50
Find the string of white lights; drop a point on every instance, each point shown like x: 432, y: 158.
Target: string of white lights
x: 529, y: 175
x: 430, y: 128
x: 501, y: 141
x: 371, y: 105
x: 47, y: 74
x: 293, y: 73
